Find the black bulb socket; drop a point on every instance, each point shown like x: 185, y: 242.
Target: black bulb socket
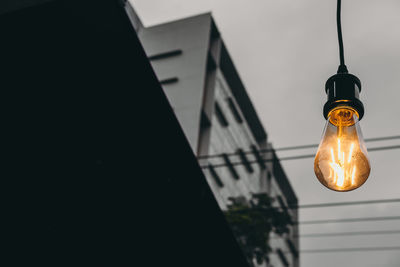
x: 343, y: 89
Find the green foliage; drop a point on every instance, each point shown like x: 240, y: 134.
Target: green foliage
x: 252, y: 223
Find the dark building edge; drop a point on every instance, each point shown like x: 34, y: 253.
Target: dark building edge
x: 85, y: 217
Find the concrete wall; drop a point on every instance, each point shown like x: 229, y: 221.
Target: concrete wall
x: 228, y: 139
x: 191, y: 37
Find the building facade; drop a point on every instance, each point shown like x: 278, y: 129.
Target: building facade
x: 210, y: 101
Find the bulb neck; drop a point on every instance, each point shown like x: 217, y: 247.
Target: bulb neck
x: 342, y: 69
x: 343, y: 89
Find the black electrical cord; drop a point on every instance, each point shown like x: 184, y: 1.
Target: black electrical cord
x: 342, y: 66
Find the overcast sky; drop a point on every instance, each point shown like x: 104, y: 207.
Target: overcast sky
x: 285, y: 50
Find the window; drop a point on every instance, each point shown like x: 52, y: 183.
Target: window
x: 169, y: 80
x: 281, y: 203
x: 284, y: 207
x: 215, y: 176
x: 245, y: 161
x: 234, y: 110
x: 166, y: 54
x: 230, y: 166
x: 282, y: 257
x: 292, y: 248
x: 220, y: 115
x: 258, y: 156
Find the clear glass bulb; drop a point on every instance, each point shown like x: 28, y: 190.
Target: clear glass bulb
x: 342, y: 163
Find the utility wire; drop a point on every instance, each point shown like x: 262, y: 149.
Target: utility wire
x: 382, y: 138
x: 347, y: 203
x: 293, y: 157
x: 385, y: 138
x: 360, y: 233
x: 349, y: 220
x: 351, y: 203
x: 354, y: 249
x: 331, y: 204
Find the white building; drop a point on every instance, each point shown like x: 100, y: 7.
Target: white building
x: 201, y: 82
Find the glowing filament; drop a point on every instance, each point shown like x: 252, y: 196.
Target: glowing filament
x: 351, y: 152
x: 341, y: 169
x: 339, y: 174
x: 352, y: 175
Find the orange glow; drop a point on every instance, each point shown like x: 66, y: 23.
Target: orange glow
x: 341, y: 163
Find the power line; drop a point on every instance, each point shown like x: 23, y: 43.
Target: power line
x: 346, y: 203
x: 382, y: 138
x: 349, y: 220
x: 314, y: 235
x: 349, y: 203
x: 295, y: 157
x: 332, y: 204
x: 360, y: 249
x: 383, y: 148
x: 385, y: 138
x: 334, y: 234
x: 360, y: 233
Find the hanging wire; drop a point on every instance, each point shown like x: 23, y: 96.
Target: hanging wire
x: 342, y: 66
x: 339, y: 31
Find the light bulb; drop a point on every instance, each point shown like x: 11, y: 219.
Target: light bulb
x: 342, y: 163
